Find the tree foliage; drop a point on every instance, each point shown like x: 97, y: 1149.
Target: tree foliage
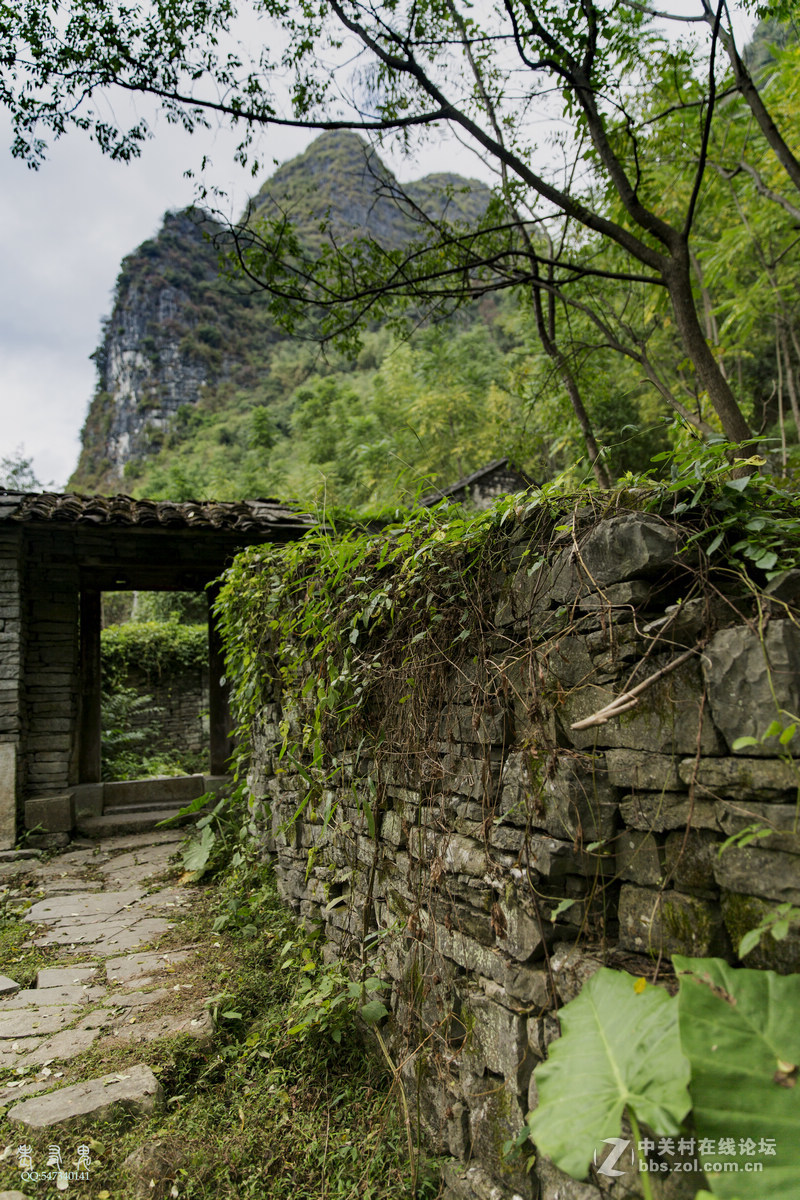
x: 606, y: 220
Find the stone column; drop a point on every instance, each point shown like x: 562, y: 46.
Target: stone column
x: 10, y: 683
x: 219, y: 717
x: 89, y: 737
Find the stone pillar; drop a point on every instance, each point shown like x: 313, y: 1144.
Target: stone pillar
x: 11, y: 642
x: 89, y: 744
x: 219, y: 717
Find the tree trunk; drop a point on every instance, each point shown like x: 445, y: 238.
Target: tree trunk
x: 676, y: 275
x: 553, y: 352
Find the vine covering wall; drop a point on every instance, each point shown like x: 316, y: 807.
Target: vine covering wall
x: 490, y: 757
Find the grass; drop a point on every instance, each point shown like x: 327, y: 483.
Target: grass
x: 258, y: 1115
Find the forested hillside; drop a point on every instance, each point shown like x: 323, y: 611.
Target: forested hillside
x: 210, y: 386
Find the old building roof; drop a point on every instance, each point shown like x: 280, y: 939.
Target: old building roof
x: 483, y: 477
x: 241, y: 516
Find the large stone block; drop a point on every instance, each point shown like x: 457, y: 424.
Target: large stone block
x: 772, y: 874
x: 496, y: 1116
x: 578, y: 803
x: 53, y: 813
x: 690, y: 859
x: 667, y: 719
x: 162, y: 788
x: 639, y: 770
x: 135, y: 1090
x: 652, y: 922
x: 741, y: 778
x: 87, y: 799
x: 519, y: 932
x: 781, y: 820
x: 743, y: 913
x: 657, y: 812
x: 628, y: 547
x: 751, y: 680
x: 496, y: 1039
x: 639, y: 858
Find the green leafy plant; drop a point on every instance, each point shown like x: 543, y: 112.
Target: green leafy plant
x: 602, y: 1068
x: 749, y: 519
x: 776, y: 923
x: 730, y: 1037
x: 739, y: 1030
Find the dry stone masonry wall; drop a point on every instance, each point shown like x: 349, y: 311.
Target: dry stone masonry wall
x: 516, y: 846
x: 177, y: 704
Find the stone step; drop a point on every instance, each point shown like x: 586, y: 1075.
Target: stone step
x: 163, y: 789
x: 172, y: 806
x: 111, y: 824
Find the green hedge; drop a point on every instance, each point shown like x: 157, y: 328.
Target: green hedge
x: 156, y: 648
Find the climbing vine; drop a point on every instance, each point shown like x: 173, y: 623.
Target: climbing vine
x: 347, y: 645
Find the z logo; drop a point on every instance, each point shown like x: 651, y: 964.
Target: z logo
x: 607, y: 1167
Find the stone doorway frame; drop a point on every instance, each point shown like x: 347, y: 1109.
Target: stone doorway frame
x: 58, y: 553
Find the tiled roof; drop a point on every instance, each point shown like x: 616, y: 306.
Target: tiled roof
x: 241, y: 516
x: 499, y: 464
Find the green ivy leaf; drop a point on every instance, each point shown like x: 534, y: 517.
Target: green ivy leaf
x: 750, y: 941
x: 737, y: 1026
x: 619, y: 1049
x: 198, y: 852
x: 374, y: 1011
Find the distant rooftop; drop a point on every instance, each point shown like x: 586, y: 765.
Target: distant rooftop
x: 482, y: 486
x: 239, y: 516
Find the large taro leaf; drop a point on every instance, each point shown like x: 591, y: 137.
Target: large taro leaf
x: 741, y: 1032
x: 619, y: 1049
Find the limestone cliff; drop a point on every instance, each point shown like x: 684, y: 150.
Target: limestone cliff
x: 182, y: 329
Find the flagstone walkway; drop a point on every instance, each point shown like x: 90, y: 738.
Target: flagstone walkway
x: 103, y: 913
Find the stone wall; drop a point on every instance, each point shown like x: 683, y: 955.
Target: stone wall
x: 179, y: 708
x: 515, y: 853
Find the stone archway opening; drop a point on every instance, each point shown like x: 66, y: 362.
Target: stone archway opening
x: 154, y: 667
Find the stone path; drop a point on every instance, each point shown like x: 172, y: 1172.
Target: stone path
x: 100, y: 910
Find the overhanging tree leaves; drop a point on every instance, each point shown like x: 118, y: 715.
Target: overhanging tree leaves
x: 403, y: 67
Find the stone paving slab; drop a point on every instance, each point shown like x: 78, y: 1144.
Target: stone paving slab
x: 147, y: 859
x: 138, y: 999
x: 150, y: 1028
x: 19, y: 1088
x: 12, y: 1050
x: 80, y: 935
x: 8, y: 986
x: 73, y: 993
x: 23, y: 1024
x: 141, y: 967
x: 67, y: 887
x: 72, y: 860
x: 147, y: 930
x: 98, y: 1018
x: 133, y: 841
x: 49, y: 977
x: 92, y: 904
x: 59, y: 1048
x: 134, y: 1090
